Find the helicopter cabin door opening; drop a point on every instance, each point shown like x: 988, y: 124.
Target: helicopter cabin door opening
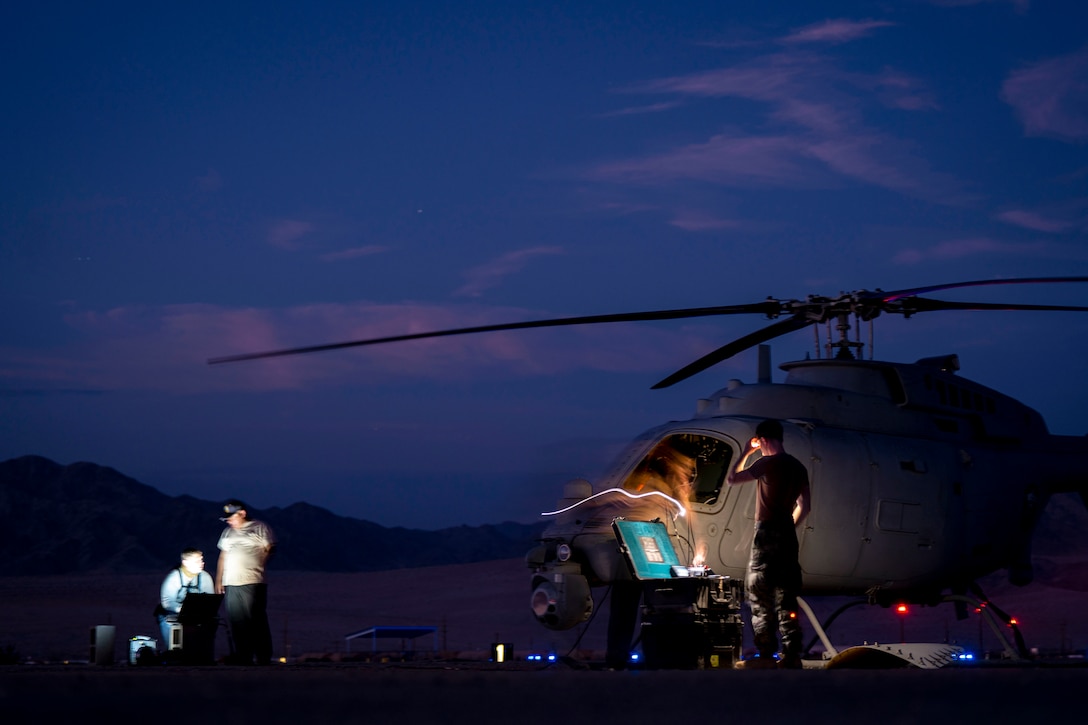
x: 690, y: 467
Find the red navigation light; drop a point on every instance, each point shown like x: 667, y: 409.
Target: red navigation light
x: 901, y: 610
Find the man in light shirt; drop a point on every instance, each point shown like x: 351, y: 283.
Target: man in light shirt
x: 187, y: 579
x: 245, y: 546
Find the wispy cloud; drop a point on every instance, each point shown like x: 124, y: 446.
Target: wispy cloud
x: 969, y: 247
x: 768, y: 78
x: 697, y: 221
x: 1050, y: 98
x: 730, y: 160
x: 875, y: 160
x: 641, y: 110
x: 494, y: 272
x: 817, y: 113
x: 288, y: 233
x: 1035, y: 222
x: 353, y: 253
x: 835, y: 31
x: 625, y: 208
x: 900, y: 90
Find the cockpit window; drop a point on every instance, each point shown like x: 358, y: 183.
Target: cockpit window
x: 687, y: 466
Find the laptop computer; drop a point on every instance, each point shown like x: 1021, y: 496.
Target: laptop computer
x: 199, y: 608
x: 648, y: 548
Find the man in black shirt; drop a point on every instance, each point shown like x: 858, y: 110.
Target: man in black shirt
x: 774, y: 574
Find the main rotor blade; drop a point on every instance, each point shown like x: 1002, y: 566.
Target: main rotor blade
x: 768, y: 307
x: 725, y: 352
x: 922, y: 304
x: 899, y: 294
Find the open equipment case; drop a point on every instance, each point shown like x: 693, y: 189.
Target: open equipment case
x: 691, y: 617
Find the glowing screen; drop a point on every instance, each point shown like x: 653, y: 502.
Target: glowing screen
x: 648, y: 548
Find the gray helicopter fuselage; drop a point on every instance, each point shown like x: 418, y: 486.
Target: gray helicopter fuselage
x: 922, y: 481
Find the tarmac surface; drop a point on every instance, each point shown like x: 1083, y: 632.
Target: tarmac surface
x: 487, y: 693
x: 46, y: 620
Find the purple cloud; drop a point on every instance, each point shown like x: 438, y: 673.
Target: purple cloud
x: 878, y: 161
x: 641, y: 110
x: 788, y: 161
x: 970, y: 247
x: 1035, y: 222
x: 723, y: 160
x: 835, y: 31
x: 1049, y: 97
x: 899, y: 90
x: 697, y: 221
x: 820, y: 109
x: 353, y: 253
x: 769, y: 78
x: 288, y: 233
x: 494, y: 272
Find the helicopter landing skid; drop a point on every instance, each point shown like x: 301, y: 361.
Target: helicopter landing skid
x: 999, y: 622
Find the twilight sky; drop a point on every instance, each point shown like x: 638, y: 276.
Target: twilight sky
x: 186, y: 181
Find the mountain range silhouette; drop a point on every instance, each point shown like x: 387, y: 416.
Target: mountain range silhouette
x: 87, y: 518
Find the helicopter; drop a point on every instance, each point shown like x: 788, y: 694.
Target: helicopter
x: 922, y: 480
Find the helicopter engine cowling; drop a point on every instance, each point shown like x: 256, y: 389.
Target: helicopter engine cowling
x: 561, y: 597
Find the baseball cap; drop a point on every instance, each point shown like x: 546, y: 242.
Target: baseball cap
x: 230, y: 508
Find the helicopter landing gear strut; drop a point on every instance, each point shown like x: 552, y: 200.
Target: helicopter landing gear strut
x: 821, y: 629
x: 1000, y: 622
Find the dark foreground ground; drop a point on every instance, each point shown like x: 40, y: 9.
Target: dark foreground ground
x: 485, y: 693
x: 47, y: 619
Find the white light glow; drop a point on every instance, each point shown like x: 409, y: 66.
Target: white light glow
x: 700, y: 556
x: 679, y: 506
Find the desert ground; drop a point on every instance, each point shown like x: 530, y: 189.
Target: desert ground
x: 46, y: 621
